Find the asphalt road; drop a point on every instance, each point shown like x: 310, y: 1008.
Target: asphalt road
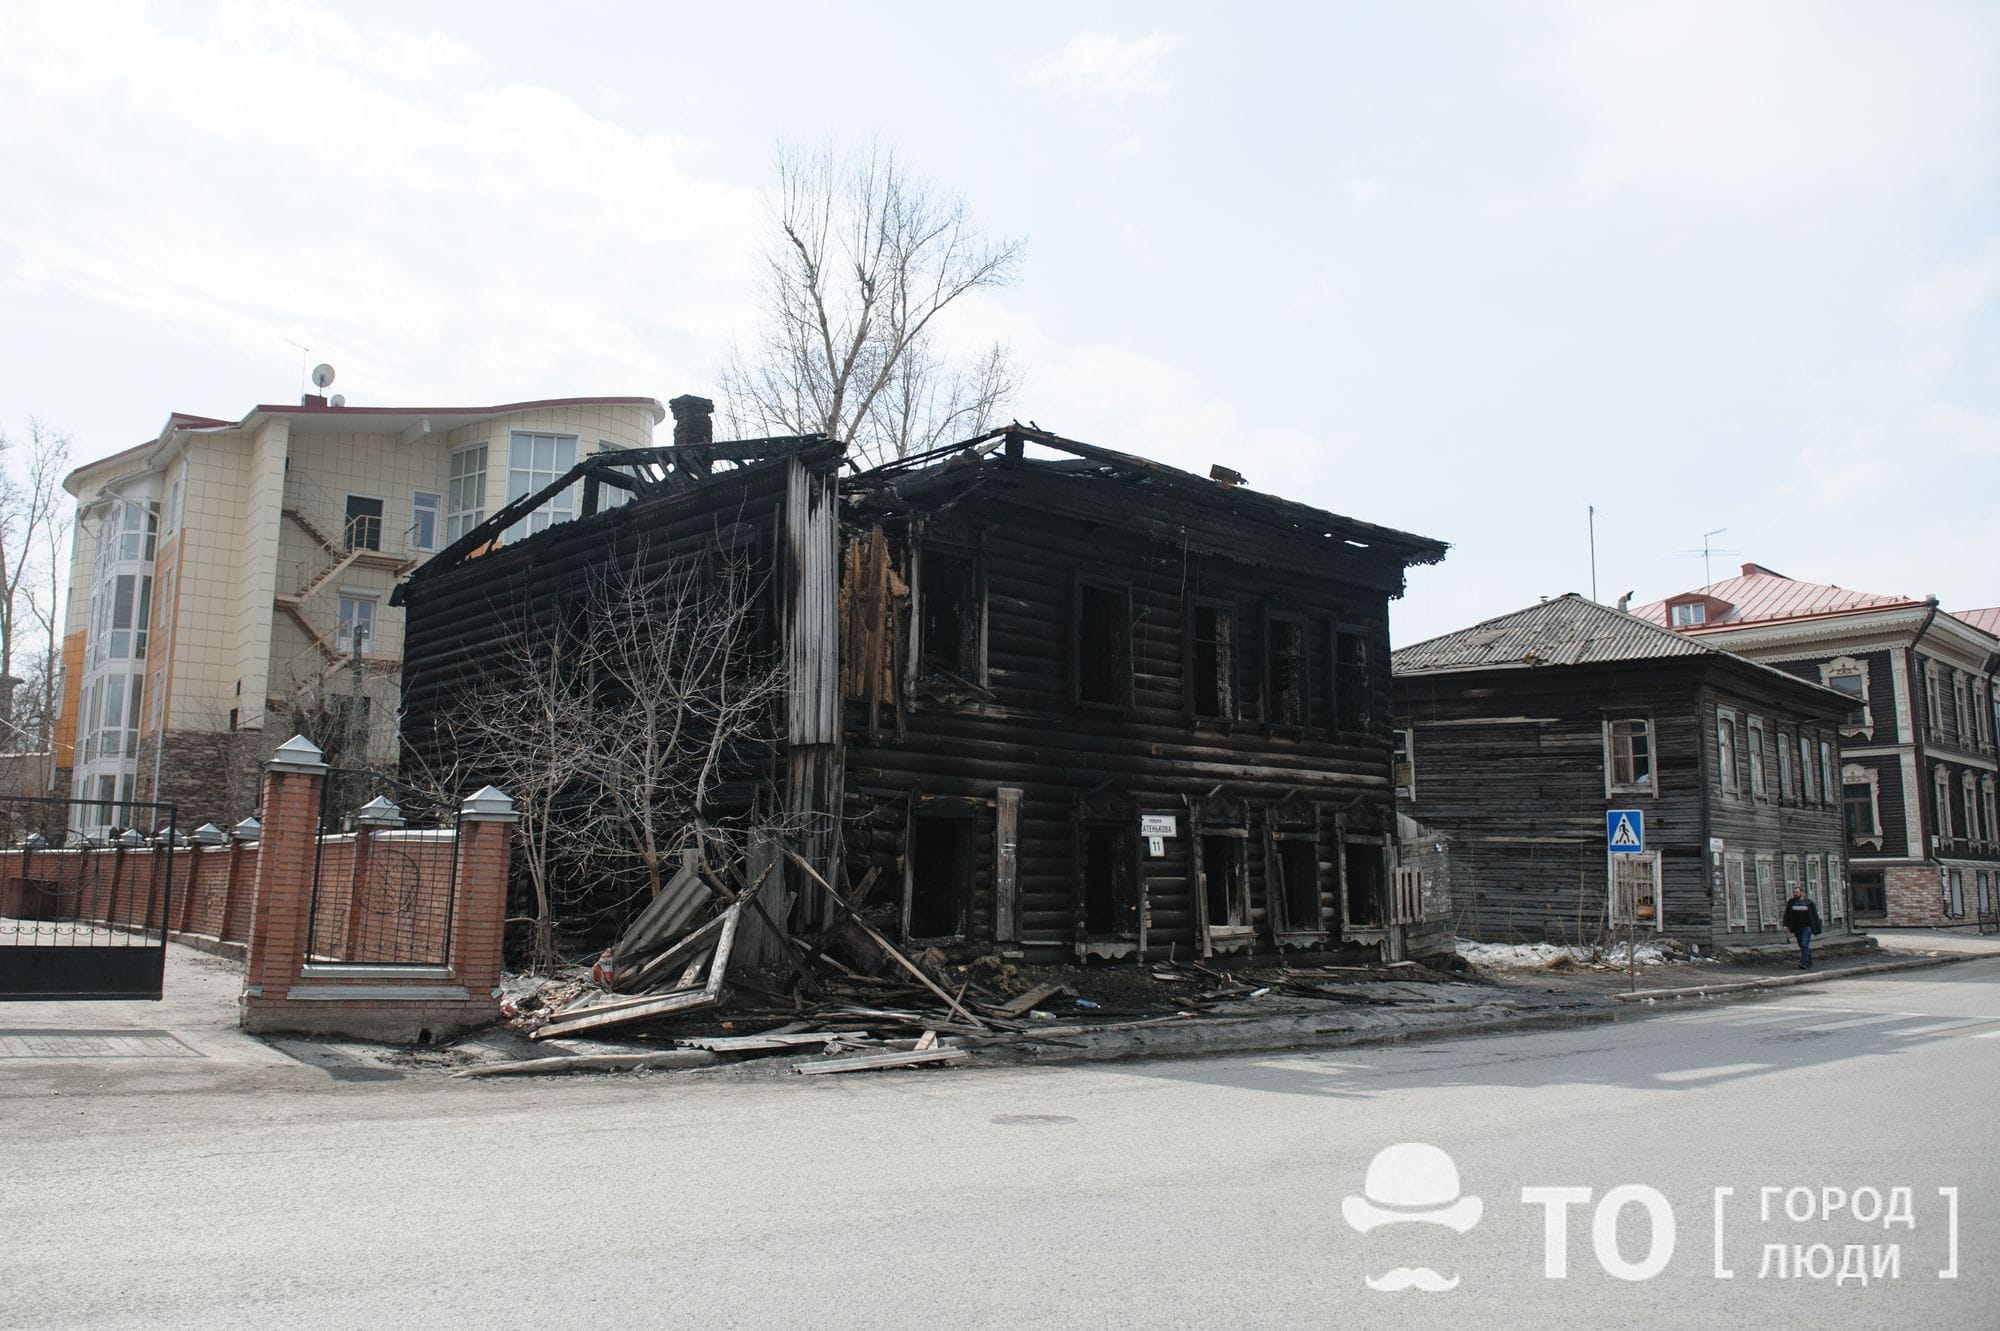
x: 1196, y: 1193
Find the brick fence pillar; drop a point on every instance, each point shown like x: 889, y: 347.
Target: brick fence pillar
x: 281, y: 899
x: 479, y: 914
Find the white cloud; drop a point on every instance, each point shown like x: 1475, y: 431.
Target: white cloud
x: 1960, y: 288
x: 279, y: 172
x: 1739, y: 106
x: 1966, y: 430
x: 1832, y: 475
x: 1099, y: 69
x: 1098, y: 75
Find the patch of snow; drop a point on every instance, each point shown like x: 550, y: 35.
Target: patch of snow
x: 1529, y: 956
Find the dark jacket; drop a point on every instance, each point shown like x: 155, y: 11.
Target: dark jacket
x: 1800, y: 913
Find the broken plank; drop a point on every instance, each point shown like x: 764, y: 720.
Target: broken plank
x: 872, y: 1062
x: 617, y: 1014
x: 1035, y: 997
x: 889, y: 948
x: 750, y: 1044
x: 531, y: 1067
x: 696, y: 941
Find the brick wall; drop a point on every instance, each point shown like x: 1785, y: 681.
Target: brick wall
x: 350, y: 983
x: 388, y: 899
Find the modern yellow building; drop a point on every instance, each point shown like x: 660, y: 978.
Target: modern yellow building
x: 225, y: 573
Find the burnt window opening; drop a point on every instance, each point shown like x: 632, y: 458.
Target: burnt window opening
x: 1212, y: 671
x: 1103, y: 644
x: 1351, y: 688
x: 948, y: 609
x: 1284, y: 670
x: 1298, y: 890
x: 1367, y: 884
x: 1224, y: 883
x: 940, y: 881
x: 1403, y: 765
x: 1110, y: 881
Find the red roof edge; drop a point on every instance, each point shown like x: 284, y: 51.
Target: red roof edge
x: 314, y: 409
x: 1800, y: 619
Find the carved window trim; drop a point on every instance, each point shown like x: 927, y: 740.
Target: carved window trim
x: 1639, y: 726
x: 1854, y: 774
x: 1846, y: 667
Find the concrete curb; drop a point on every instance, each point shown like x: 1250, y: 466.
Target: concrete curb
x: 1787, y: 981
x: 1201, y: 1039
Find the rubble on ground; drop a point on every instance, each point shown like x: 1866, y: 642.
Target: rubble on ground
x: 672, y: 988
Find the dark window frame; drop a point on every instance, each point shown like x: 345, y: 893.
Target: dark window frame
x: 1108, y: 818
x: 1268, y: 659
x: 1223, y: 668
x: 361, y: 529
x: 1124, y: 667
x: 966, y: 661
x: 962, y: 815
x: 1287, y: 826
x: 1352, y: 699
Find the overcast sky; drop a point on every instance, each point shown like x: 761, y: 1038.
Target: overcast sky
x: 1463, y: 269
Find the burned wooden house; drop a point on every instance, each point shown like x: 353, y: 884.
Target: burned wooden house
x: 1574, y: 771
x: 1041, y: 698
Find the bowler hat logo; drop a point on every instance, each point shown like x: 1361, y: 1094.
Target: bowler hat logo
x: 1412, y: 1183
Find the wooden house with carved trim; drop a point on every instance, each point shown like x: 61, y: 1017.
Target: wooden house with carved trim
x: 1518, y: 738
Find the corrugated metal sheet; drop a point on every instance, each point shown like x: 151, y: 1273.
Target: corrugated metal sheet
x: 1760, y: 596
x: 1569, y: 630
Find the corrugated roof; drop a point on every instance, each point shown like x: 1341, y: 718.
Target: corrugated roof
x: 1986, y: 621
x: 1760, y: 596
x: 1569, y: 630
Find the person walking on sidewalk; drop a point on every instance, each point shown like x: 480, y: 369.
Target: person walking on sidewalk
x: 1801, y: 916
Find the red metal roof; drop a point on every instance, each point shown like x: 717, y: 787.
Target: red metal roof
x: 1760, y: 596
x: 1986, y: 621
x: 315, y: 409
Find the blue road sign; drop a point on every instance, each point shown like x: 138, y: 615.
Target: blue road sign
x: 1625, y: 831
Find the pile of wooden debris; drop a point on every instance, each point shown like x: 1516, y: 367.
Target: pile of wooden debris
x: 853, y: 1001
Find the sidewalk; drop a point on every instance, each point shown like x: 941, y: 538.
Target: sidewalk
x: 1969, y: 942
x: 189, y: 1042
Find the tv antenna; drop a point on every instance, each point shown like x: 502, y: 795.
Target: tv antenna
x: 1703, y: 554
x: 305, y: 354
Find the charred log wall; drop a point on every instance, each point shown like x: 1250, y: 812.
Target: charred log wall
x: 467, y: 624
x: 1031, y: 543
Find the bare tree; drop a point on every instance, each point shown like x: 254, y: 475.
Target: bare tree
x: 684, y: 700
x: 531, y: 735
x: 34, y: 521
x: 638, y: 727
x: 864, y: 259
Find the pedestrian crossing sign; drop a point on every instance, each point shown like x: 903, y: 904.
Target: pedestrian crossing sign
x: 1625, y: 831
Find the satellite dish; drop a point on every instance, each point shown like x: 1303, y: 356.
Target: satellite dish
x: 338, y: 400
x: 322, y: 375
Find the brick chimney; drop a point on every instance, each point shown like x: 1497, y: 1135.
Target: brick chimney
x: 694, y: 420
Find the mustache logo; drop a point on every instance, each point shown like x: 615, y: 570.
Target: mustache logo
x: 1412, y: 1277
